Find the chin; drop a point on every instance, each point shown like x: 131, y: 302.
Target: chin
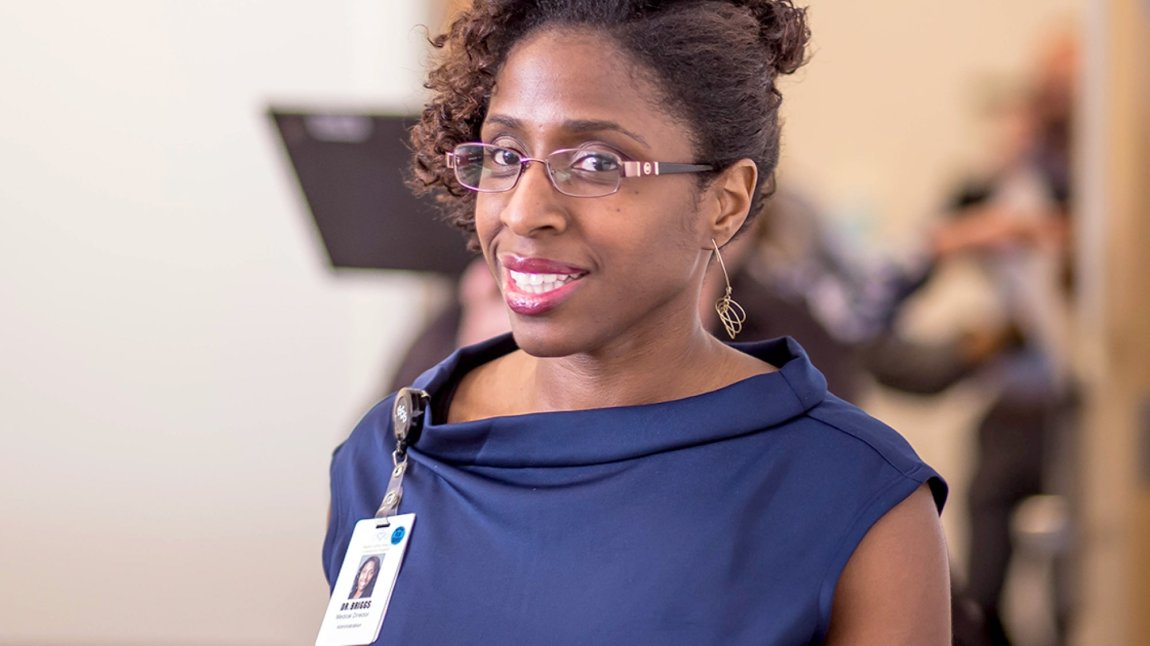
x: 542, y: 348
x: 544, y: 341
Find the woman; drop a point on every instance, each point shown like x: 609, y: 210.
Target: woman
x: 610, y: 472
x: 365, y: 578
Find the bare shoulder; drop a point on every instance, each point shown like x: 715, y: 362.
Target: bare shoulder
x: 896, y: 587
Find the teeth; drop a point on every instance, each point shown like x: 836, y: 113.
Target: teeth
x: 539, y: 283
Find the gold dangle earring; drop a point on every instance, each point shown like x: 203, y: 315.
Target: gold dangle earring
x: 731, y: 314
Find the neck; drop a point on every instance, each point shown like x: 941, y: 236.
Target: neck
x: 634, y: 372
x: 666, y: 356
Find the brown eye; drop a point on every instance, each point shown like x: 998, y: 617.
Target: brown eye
x: 504, y: 157
x: 595, y: 162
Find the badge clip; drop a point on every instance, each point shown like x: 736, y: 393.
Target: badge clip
x: 407, y: 414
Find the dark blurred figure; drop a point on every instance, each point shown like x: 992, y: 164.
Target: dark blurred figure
x: 772, y: 309
x: 475, y: 314
x: 1015, y: 222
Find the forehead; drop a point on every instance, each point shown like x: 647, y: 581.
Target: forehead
x: 563, y: 79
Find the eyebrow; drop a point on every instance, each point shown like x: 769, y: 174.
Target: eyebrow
x: 576, y: 126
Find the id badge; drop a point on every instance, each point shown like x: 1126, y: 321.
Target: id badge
x: 366, y: 579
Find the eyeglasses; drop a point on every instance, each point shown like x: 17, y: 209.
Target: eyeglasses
x: 578, y: 172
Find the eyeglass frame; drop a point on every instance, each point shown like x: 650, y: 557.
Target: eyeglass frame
x: 630, y: 168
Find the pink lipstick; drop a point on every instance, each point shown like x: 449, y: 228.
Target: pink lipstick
x: 534, y: 286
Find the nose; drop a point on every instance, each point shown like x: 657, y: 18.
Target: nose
x: 534, y: 206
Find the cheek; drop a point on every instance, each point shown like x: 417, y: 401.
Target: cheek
x: 653, y: 238
x: 486, y: 220
x: 672, y: 218
x: 676, y: 200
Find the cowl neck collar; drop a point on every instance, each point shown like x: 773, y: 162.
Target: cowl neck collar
x: 602, y: 435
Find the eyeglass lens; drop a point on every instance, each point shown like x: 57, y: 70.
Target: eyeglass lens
x: 575, y: 172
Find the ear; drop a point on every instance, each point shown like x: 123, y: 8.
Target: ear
x: 731, y: 194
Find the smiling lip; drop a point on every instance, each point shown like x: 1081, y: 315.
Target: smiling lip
x: 534, y: 286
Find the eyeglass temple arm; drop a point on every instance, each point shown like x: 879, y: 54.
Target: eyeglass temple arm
x: 645, y: 168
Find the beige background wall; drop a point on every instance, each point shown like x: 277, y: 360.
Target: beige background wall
x: 886, y: 112
x: 176, y: 362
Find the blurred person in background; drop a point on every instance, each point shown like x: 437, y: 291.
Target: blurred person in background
x: 475, y: 313
x: 1013, y: 220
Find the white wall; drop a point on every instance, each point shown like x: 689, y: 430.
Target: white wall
x: 176, y: 362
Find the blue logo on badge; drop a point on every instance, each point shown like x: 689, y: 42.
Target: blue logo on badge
x: 397, y: 535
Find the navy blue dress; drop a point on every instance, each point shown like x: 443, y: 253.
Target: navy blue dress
x: 724, y: 518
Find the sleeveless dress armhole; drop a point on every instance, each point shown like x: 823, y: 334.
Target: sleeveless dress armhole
x: 884, y: 500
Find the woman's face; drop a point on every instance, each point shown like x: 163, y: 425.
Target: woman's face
x: 612, y: 272
x: 366, y: 574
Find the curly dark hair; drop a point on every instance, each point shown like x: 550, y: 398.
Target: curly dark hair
x: 715, y: 61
